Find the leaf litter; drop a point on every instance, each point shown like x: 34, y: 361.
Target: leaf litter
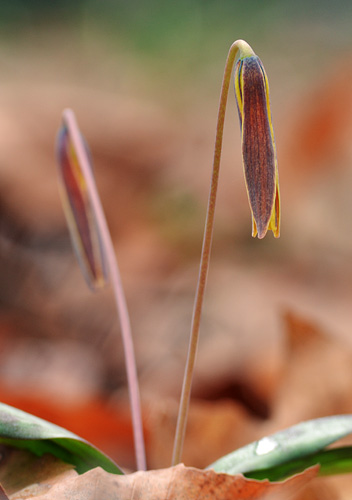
x: 177, y: 482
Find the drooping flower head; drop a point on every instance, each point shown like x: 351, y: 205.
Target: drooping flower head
x: 258, y: 145
x: 94, y: 247
x: 80, y: 216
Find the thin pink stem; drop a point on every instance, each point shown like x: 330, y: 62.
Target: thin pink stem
x: 114, y: 274
x: 205, y: 255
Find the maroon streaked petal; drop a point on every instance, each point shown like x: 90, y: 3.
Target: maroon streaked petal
x: 84, y: 232
x: 257, y: 145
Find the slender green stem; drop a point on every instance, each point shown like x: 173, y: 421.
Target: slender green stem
x: 120, y: 300
x: 245, y: 50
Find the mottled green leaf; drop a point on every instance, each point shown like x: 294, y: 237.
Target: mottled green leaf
x: 296, y: 444
x: 332, y: 461
x: 22, y: 430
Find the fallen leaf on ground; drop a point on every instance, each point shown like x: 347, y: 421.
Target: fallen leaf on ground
x: 320, y: 490
x: 21, y: 470
x: 317, y: 378
x: 178, y: 482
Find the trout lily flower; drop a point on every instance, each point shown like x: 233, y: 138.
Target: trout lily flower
x: 94, y: 247
x: 78, y: 208
x: 261, y: 175
x: 258, y: 145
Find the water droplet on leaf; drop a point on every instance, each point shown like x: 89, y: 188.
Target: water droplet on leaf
x: 265, y: 445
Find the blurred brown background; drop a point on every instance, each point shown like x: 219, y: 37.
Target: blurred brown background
x: 144, y: 80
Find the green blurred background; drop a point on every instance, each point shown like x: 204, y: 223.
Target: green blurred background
x: 177, y: 38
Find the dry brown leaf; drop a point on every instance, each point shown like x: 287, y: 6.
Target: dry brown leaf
x: 178, y: 482
x: 320, y: 490
x: 21, y: 470
x: 310, y: 352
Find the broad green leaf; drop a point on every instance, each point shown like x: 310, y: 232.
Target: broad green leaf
x: 22, y: 430
x: 294, y: 443
x: 332, y: 461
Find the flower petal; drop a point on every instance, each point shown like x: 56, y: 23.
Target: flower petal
x: 258, y: 147
x: 80, y: 218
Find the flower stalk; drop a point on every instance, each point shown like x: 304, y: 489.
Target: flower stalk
x: 95, y: 250
x: 252, y: 103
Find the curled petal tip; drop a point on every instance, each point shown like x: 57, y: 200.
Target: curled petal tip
x: 261, y: 234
